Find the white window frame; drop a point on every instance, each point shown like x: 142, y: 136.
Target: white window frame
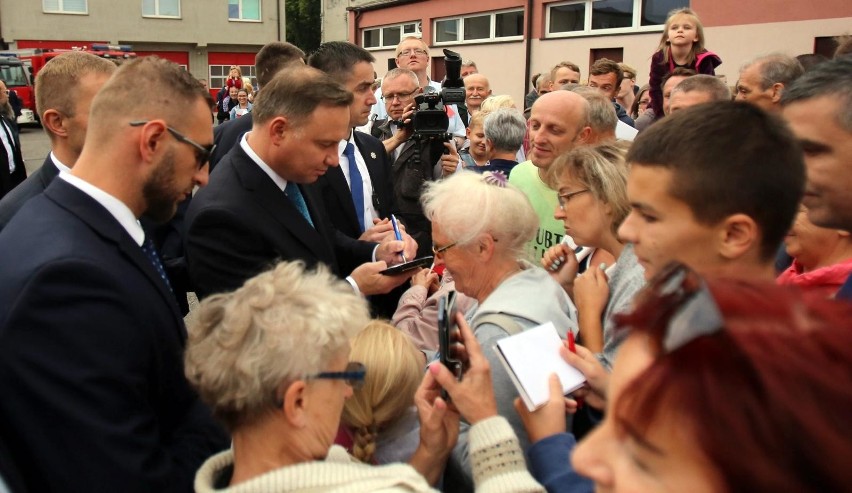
x: 61, y: 8
x: 157, y: 14
x: 249, y: 71
x: 492, y: 38
x: 418, y: 33
x: 635, y: 27
x: 240, y: 13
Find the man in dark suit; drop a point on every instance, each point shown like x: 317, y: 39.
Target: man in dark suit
x: 91, y: 340
x: 257, y: 210
x: 269, y: 60
x: 359, y: 208
x: 64, y: 91
x: 12, y: 168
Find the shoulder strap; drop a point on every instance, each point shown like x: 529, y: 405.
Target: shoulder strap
x: 501, y: 320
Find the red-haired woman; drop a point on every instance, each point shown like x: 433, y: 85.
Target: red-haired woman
x: 727, y: 386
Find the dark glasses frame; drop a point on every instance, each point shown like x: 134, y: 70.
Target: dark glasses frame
x: 202, y: 154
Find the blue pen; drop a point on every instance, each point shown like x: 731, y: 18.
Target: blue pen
x: 397, y: 234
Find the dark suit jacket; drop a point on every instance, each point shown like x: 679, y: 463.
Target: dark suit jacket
x: 337, y: 196
x: 8, y: 181
x: 227, y: 135
x: 91, y: 356
x: 32, y: 186
x: 241, y: 223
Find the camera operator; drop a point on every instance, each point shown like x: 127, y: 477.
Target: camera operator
x: 413, y: 164
x: 413, y: 54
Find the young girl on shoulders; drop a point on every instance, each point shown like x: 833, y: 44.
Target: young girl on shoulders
x: 682, y: 45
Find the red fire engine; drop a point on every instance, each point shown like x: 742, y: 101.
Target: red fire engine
x: 20, y: 67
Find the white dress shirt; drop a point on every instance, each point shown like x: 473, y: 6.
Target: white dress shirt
x: 370, y: 212
x: 114, y: 206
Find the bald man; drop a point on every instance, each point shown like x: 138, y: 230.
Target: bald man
x: 477, y: 89
x: 559, y: 121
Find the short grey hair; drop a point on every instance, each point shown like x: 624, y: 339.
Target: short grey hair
x: 833, y: 79
x: 602, y: 117
x: 503, y: 212
x: 401, y: 72
x: 283, y: 325
x: 543, y: 79
x: 505, y: 128
x: 708, y: 84
x: 776, y: 68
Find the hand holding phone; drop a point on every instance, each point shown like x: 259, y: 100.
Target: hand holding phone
x: 449, y: 338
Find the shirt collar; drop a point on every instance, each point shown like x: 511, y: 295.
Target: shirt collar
x: 279, y: 182
x: 113, y: 205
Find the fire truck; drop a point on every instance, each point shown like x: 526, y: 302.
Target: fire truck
x: 20, y: 67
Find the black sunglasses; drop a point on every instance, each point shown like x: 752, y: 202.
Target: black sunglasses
x: 202, y: 154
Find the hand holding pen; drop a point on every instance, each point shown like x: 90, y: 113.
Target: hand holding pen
x: 397, y: 234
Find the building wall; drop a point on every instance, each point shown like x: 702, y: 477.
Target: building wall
x: 203, y: 30
x: 736, y: 30
x: 202, y: 22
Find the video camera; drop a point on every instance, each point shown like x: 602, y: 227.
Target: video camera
x: 430, y: 120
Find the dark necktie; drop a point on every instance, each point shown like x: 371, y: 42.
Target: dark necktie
x: 295, y: 195
x: 10, y: 158
x: 356, y: 184
x: 154, y: 258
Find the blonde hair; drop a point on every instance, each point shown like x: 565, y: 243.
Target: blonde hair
x: 280, y: 326
x: 697, y: 47
x: 496, y: 102
x: 58, y: 83
x: 603, y: 170
x: 393, y: 374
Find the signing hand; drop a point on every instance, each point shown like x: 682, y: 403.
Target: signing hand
x: 392, y: 250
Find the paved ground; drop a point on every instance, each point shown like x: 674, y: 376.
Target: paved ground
x: 35, y: 146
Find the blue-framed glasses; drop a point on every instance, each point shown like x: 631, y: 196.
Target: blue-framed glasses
x: 353, y: 375
x: 202, y: 153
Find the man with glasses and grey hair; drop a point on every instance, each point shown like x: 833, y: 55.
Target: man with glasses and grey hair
x: 413, y: 164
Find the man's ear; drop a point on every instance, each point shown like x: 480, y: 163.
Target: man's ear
x: 279, y: 128
x: 151, y: 139
x: 739, y: 236
x: 295, y: 399
x: 584, y: 135
x: 777, y: 89
x: 52, y: 120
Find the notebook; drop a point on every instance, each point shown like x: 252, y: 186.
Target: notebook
x: 530, y: 357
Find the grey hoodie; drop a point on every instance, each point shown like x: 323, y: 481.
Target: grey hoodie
x: 530, y: 297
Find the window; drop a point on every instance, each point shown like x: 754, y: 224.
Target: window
x: 389, y: 36
x: 495, y: 26
x: 218, y: 74
x: 161, y: 8
x: 584, y: 17
x: 244, y: 10
x: 65, y: 6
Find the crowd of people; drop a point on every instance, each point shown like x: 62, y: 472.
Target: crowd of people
x: 693, y: 239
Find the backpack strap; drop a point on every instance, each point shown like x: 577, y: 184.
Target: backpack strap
x: 501, y: 320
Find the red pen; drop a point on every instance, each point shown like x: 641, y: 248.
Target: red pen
x: 573, y: 349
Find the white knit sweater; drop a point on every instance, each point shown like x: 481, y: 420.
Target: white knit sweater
x: 497, y: 461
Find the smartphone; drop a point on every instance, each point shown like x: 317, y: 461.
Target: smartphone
x: 449, y: 338
x: 407, y: 266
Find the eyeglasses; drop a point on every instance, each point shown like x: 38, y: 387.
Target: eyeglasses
x: 402, y: 97
x: 202, y: 154
x: 409, y: 51
x: 353, y: 375
x: 682, y: 303
x: 439, y: 250
x: 565, y: 197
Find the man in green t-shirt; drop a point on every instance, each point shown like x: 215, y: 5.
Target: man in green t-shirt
x: 559, y: 121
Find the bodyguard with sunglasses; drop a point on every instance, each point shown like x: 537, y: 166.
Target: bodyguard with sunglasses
x: 91, y: 340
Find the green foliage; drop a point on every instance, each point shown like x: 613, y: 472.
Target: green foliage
x: 304, y: 27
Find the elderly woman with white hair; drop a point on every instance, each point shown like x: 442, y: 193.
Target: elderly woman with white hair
x: 483, y: 252
x: 271, y: 359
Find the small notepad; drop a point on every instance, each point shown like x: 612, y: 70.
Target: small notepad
x: 530, y: 357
